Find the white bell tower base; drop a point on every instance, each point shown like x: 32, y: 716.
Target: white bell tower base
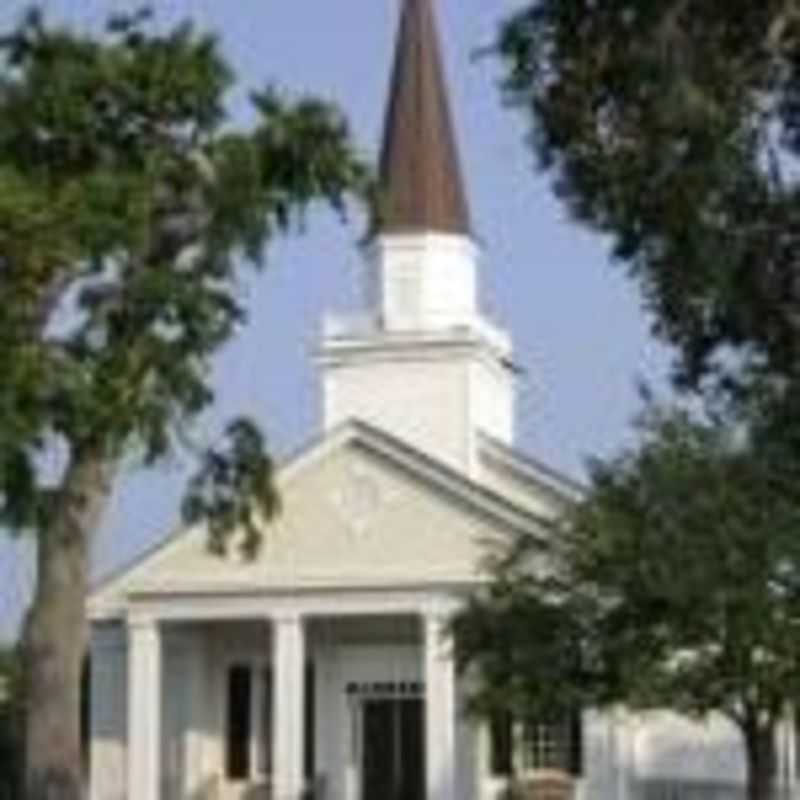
x: 423, y: 365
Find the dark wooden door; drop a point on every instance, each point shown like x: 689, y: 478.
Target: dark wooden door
x: 393, y: 765
x: 412, y: 772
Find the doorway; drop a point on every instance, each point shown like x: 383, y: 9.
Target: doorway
x: 393, y: 754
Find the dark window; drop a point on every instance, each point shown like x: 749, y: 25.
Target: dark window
x: 576, y: 744
x: 240, y: 688
x: 266, y: 723
x: 86, y: 712
x: 502, y: 737
x: 309, y: 755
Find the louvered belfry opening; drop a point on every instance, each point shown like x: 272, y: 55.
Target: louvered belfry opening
x: 420, y: 169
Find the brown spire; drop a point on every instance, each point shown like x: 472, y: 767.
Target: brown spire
x: 420, y: 169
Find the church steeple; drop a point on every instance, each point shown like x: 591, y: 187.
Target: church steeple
x: 420, y: 170
x: 421, y: 362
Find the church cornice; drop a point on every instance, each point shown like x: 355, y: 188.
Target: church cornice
x: 400, y: 348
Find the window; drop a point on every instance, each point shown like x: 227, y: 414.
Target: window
x: 404, y: 292
x: 239, y: 725
x: 501, y: 737
x: 265, y: 748
x: 550, y: 745
x: 249, y: 723
x: 309, y: 755
x: 535, y: 745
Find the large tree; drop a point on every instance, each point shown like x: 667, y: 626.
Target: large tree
x: 129, y: 206
x: 676, y: 584
x: 673, y: 128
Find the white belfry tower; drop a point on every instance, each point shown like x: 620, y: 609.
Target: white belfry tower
x: 421, y: 363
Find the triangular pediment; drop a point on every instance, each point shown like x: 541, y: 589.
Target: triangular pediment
x: 359, y: 509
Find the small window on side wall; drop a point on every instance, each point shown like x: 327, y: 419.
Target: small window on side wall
x: 554, y: 745
x: 539, y: 745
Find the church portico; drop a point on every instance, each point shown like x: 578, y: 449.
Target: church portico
x: 338, y: 699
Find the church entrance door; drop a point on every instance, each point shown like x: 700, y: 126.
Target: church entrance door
x: 393, y: 765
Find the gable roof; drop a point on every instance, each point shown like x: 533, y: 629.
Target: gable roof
x: 477, y: 495
x: 531, y: 471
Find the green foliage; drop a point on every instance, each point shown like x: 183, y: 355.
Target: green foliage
x: 233, y: 491
x: 521, y: 639
x: 676, y: 583
x: 129, y: 208
x: 691, y: 542
x: 672, y: 127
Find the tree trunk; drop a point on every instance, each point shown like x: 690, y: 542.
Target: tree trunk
x: 761, y: 761
x: 55, y: 639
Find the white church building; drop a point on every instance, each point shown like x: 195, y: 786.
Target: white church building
x: 322, y: 668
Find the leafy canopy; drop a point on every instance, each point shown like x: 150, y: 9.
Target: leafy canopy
x: 129, y: 210
x: 676, y: 583
x: 673, y: 127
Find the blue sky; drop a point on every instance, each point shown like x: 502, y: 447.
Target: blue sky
x: 578, y: 328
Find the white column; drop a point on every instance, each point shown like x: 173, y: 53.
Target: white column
x: 288, y: 669
x: 625, y: 737
x: 440, y: 709
x: 787, y: 751
x: 108, y: 705
x: 198, y: 709
x: 144, y: 710
x: 791, y: 749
